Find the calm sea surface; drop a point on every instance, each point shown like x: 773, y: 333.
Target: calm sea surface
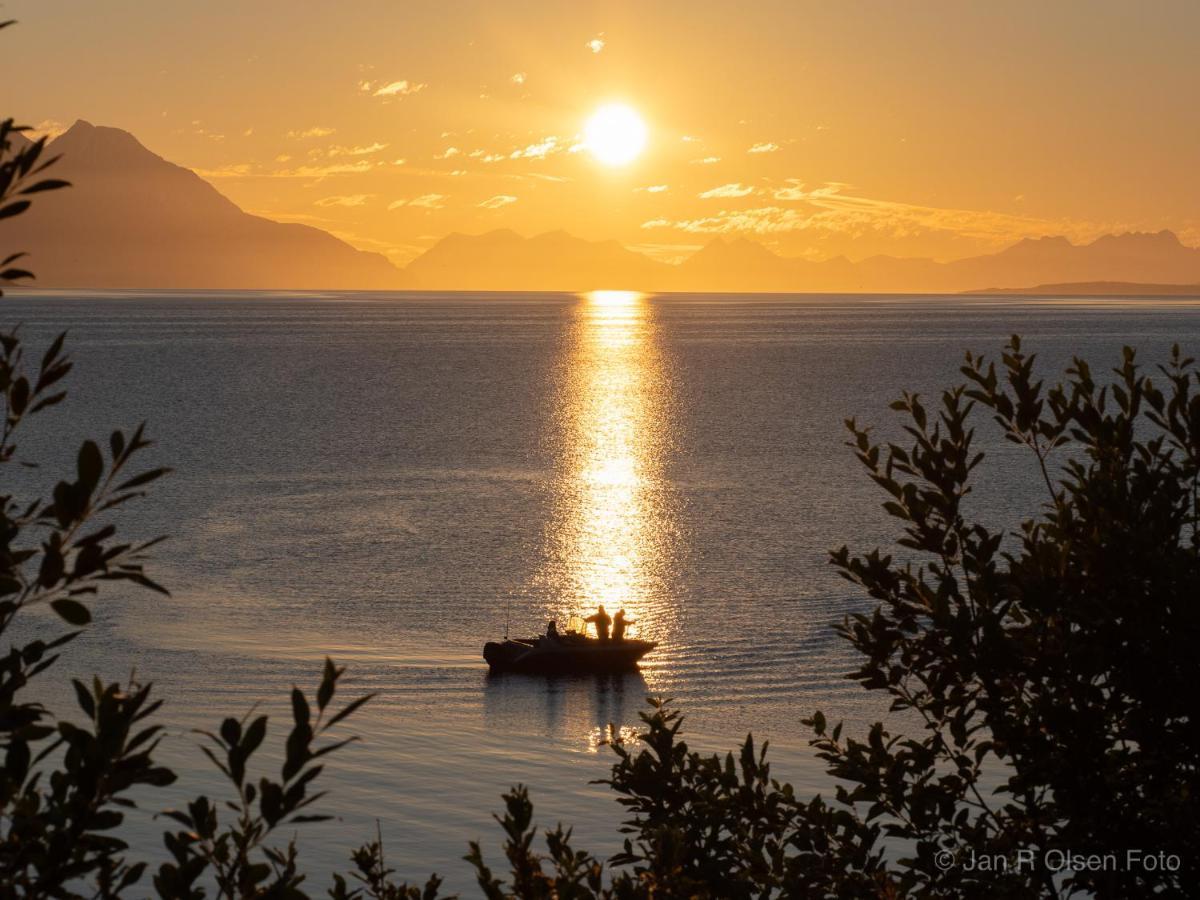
x: 390, y: 479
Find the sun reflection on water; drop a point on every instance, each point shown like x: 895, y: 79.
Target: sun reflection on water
x: 610, y: 541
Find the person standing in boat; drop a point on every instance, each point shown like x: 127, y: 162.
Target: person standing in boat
x: 619, y: 623
x: 602, y: 620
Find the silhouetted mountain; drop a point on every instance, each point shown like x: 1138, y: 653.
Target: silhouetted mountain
x: 1102, y: 289
x: 502, y: 260
x: 724, y: 265
x: 1133, y: 257
x: 134, y: 220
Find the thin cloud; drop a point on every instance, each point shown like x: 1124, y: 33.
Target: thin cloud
x: 47, y: 128
x: 315, y: 131
x: 540, y: 150
x: 247, y: 170
x: 363, y: 150
x: 401, y: 88
x: 345, y: 200
x: 354, y: 168
x: 498, y: 201
x: 234, y: 170
x: 447, y: 153
x: 706, y: 161
x: 595, y: 44
x: 764, y: 147
x: 653, y: 188
x: 827, y: 208
x: 734, y: 189
x: 425, y: 201
x: 518, y: 78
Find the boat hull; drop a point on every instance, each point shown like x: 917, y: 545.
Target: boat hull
x: 536, y: 657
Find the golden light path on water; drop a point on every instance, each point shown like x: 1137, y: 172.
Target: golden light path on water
x: 610, y: 540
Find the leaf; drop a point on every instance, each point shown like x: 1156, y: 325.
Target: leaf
x: 91, y: 465
x: 328, y: 682
x: 52, y: 400
x: 231, y: 731
x: 144, y: 478
x: 49, y: 184
x: 351, y: 708
x: 254, y: 735
x: 300, y: 710
x: 14, y: 209
x: 84, y: 697
x: 18, y: 397
x: 71, y: 611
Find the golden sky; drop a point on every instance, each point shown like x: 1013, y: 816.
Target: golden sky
x: 938, y: 129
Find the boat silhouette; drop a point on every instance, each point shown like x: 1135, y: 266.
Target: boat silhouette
x: 568, y: 653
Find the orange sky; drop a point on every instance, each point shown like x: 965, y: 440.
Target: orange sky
x: 934, y: 128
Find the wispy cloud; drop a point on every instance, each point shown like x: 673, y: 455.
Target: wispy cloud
x: 734, y: 189
x: 425, y: 201
x: 828, y: 208
x: 540, y: 150
x: 706, y: 161
x: 596, y: 44
x: 47, y: 128
x: 401, y: 88
x: 653, y: 188
x: 248, y: 170
x: 314, y: 132
x: 764, y: 147
x: 345, y: 200
x: 668, y: 253
x: 447, y: 153
x: 362, y: 150
x: 518, y: 78
x: 198, y: 128
x: 498, y: 201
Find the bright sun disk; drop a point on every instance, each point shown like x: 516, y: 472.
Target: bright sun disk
x: 615, y: 134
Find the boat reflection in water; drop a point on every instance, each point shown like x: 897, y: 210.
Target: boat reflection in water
x: 609, y: 538
x: 584, y: 710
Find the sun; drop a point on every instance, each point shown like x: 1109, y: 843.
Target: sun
x: 615, y: 134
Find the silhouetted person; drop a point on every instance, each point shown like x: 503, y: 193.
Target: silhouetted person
x: 602, y: 620
x: 619, y: 623
x: 552, y: 631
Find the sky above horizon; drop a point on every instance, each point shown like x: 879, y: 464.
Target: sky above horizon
x: 940, y: 129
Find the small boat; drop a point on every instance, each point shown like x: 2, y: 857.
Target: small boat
x: 566, y: 654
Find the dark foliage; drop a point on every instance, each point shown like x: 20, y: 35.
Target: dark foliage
x: 1056, y: 665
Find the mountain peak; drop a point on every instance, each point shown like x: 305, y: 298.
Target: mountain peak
x: 1165, y: 239
x: 737, y: 248
x: 1046, y: 241
x: 101, y: 144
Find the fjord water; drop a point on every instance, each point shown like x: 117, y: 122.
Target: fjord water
x: 393, y: 479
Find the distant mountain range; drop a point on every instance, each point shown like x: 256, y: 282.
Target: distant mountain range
x: 135, y: 220
x: 1103, y: 289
